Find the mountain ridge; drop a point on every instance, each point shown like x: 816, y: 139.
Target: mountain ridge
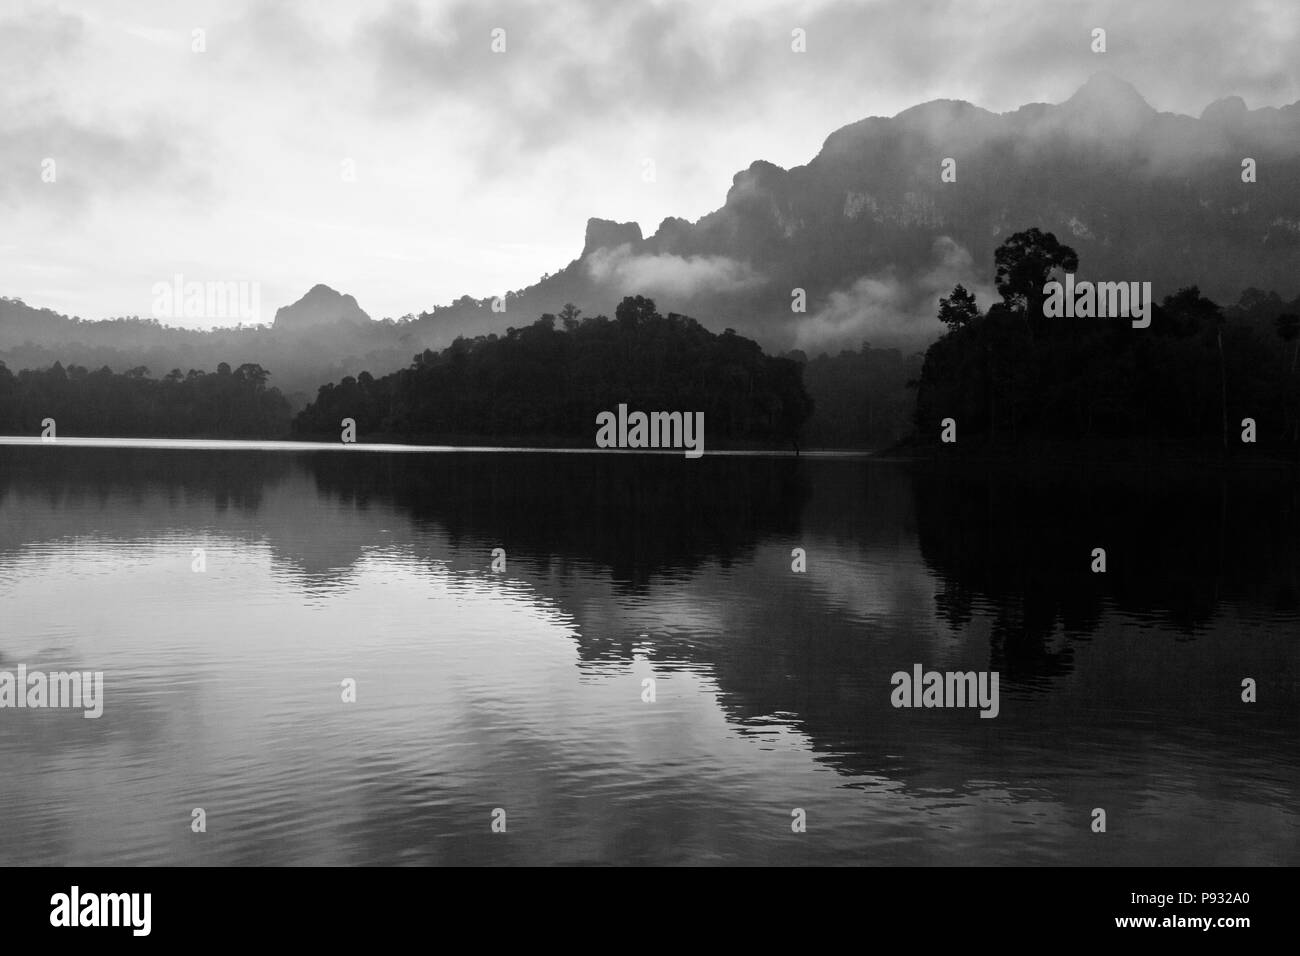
x: 320, y: 305
x: 1104, y: 169
x: 866, y: 229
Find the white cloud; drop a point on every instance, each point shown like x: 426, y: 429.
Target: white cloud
x: 664, y: 274
x: 477, y: 172
x: 890, y: 306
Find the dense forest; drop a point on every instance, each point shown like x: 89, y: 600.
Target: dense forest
x: 861, y: 399
x: 226, y: 404
x: 546, y: 383
x: 1006, y: 375
x: 1010, y: 374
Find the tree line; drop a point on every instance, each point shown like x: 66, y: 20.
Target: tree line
x: 1008, y: 373
x: 1005, y: 374
x: 228, y: 403
x: 545, y: 383
x: 862, y: 398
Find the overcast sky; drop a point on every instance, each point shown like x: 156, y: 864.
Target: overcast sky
x: 475, y: 171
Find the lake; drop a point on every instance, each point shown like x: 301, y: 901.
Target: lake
x: 526, y: 688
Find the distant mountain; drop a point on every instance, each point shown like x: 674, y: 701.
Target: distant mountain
x: 867, y: 229
x: 320, y: 306
x: 322, y: 336
x: 874, y: 237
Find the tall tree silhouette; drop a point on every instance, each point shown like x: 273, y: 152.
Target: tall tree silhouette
x: 1024, y: 262
x: 959, y: 309
x: 1010, y: 375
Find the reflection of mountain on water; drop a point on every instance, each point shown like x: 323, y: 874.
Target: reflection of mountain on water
x: 886, y: 542
x: 637, y: 516
x: 632, y: 517
x: 700, y: 580
x: 666, y: 566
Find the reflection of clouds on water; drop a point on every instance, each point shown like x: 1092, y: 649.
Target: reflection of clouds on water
x: 523, y: 689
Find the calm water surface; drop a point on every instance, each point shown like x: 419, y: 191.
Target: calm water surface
x: 523, y: 689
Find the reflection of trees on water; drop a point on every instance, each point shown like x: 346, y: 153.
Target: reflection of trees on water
x: 1178, y: 548
x: 636, y: 515
x: 906, y: 563
x: 231, y: 479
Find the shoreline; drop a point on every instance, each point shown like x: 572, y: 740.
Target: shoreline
x: 258, y: 444
x: 1028, y: 456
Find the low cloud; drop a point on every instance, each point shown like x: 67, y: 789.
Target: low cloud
x: 669, y: 275
x: 887, y: 307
